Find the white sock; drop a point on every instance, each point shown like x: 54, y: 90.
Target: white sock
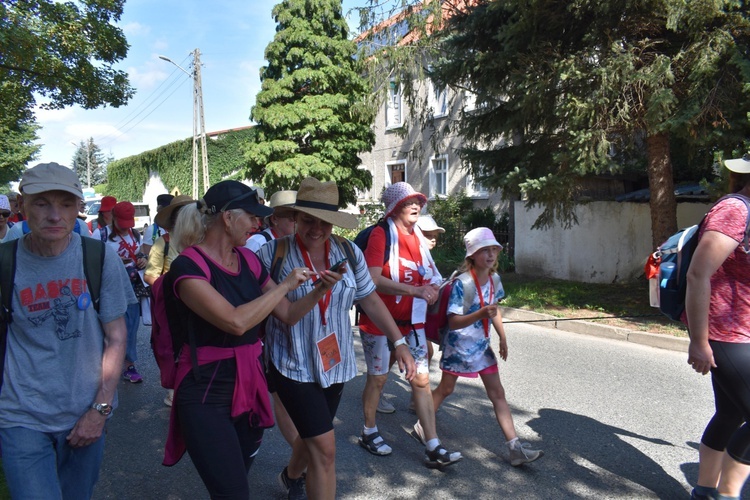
x: 369, y: 430
x: 432, y: 444
x: 513, y: 443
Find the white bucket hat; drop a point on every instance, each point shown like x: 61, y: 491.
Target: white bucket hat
x: 479, y: 238
x: 739, y: 165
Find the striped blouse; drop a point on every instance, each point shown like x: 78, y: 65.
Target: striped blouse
x: 294, y: 350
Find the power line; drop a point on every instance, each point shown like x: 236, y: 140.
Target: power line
x: 143, y: 107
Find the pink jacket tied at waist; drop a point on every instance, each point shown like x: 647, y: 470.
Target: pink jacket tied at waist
x: 250, y: 390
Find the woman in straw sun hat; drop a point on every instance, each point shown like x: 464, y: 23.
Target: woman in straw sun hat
x: 221, y: 404
x: 311, y: 360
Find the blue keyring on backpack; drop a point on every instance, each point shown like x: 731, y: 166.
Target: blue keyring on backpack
x: 84, y: 301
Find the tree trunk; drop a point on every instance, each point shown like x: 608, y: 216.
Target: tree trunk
x: 661, y: 184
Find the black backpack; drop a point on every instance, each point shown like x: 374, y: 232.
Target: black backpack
x: 363, y: 237
x: 93, y: 267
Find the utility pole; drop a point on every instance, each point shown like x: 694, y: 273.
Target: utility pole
x: 198, y: 110
x: 199, y: 125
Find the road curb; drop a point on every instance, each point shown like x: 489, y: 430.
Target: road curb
x: 512, y: 315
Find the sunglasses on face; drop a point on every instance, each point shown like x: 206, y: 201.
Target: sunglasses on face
x: 4, y: 214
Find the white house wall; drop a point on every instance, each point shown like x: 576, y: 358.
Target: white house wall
x: 610, y: 243
x: 415, y: 148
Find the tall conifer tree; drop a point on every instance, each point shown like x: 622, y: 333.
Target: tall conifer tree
x: 567, y: 89
x: 312, y: 111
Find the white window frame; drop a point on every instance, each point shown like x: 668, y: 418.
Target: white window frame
x: 469, y: 101
x: 389, y: 171
x: 475, y: 189
x: 394, y: 106
x: 438, y: 100
x: 436, y: 173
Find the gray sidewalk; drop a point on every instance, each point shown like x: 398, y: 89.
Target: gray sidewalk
x: 517, y: 316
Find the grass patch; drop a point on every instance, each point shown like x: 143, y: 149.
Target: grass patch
x: 625, y: 304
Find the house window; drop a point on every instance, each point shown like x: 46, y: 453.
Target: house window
x: 393, y: 106
x: 470, y: 101
x: 395, y: 171
x: 438, y: 100
x: 475, y: 189
x: 438, y: 176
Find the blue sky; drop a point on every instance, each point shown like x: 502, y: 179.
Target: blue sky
x: 232, y: 36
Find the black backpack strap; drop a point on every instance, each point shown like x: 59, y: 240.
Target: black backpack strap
x: 7, y: 275
x: 93, y: 267
x: 348, y: 248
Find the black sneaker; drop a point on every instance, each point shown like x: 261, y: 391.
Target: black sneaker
x: 295, y: 488
x: 440, y: 457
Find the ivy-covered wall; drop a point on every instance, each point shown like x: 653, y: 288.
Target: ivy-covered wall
x: 127, y: 178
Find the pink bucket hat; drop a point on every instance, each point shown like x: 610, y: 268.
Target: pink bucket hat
x: 397, y: 193
x: 479, y: 238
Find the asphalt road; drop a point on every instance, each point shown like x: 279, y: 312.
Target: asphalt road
x: 615, y: 419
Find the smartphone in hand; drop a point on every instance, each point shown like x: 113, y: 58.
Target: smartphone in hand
x: 334, y: 267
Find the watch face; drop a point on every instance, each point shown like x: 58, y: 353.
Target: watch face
x: 103, y: 408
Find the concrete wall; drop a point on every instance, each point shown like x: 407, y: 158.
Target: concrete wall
x: 610, y: 243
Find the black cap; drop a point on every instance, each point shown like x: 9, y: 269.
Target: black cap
x: 227, y: 195
x: 164, y: 200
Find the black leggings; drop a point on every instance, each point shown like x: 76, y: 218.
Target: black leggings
x: 728, y: 429
x: 222, y: 448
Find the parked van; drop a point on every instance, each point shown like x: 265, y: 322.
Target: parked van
x: 142, y: 214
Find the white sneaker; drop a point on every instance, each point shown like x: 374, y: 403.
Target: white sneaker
x: 384, y: 406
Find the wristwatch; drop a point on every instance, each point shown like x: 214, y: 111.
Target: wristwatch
x: 401, y: 341
x: 103, y: 408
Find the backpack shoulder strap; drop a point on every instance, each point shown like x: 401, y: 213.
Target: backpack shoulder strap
x: 93, y: 267
x: 746, y: 200
x: 196, y: 256
x: 348, y: 248
x: 7, y: 275
x: 280, y: 251
x: 469, y: 290
x: 248, y: 255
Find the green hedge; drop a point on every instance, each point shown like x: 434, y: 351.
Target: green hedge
x: 127, y: 178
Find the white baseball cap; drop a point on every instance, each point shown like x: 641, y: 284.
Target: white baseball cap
x: 739, y: 165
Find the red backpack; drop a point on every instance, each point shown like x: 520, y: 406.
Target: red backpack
x: 162, y: 342
x: 436, y: 323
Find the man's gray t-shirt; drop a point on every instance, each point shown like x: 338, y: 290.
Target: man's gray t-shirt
x: 53, y: 364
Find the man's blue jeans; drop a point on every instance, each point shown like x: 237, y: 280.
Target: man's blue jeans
x: 43, y: 465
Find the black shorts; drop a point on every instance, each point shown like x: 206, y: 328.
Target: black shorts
x: 311, y: 407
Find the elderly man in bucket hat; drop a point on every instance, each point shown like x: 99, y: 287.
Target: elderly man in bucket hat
x: 62, y: 355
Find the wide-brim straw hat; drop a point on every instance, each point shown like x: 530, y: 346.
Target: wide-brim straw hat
x: 321, y: 200
x: 164, y: 216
